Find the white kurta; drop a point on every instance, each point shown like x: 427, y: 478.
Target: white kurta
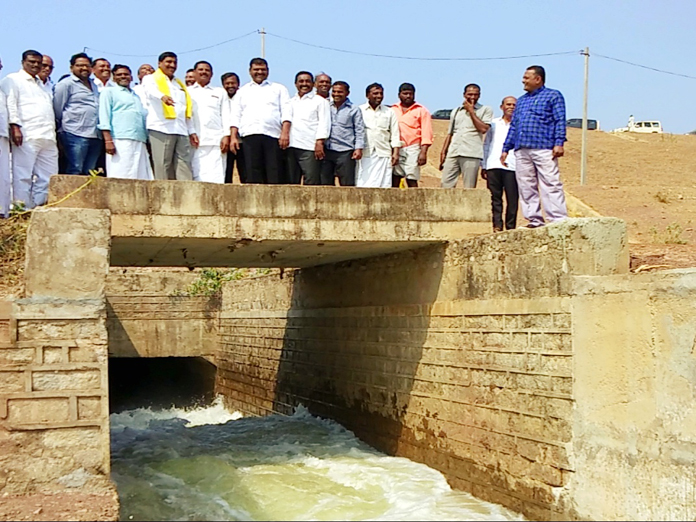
x: 374, y: 172
x: 131, y: 161
x: 30, y: 107
x: 211, y: 122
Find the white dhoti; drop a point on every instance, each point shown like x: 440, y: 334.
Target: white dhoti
x: 209, y: 164
x: 131, y: 161
x: 33, y: 164
x: 5, y: 178
x: 374, y: 172
x: 408, y: 162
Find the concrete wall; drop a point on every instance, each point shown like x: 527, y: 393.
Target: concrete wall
x: 147, y: 315
x: 634, y: 422
x: 459, y: 356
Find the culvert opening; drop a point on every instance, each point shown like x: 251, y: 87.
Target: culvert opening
x: 160, y: 382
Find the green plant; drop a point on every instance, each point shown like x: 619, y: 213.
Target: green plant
x: 210, y: 281
x: 672, y: 235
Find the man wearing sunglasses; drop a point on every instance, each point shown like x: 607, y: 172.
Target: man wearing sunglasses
x: 45, y: 74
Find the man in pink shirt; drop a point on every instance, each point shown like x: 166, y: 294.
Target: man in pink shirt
x: 416, y: 128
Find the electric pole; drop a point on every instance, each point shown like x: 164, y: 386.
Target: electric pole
x: 583, y: 153
x: 262, y: 32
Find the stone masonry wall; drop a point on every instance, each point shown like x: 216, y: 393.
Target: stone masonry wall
x: 54, y: 396
x: 54, y: 418
x: 459, y: 356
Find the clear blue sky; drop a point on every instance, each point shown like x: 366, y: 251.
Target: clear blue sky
x: 655, y: 33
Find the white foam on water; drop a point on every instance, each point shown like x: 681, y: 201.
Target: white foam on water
x: 208, y: 463
x: 140, y: 419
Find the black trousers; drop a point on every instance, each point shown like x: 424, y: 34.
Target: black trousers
x: 338, y: 165
x: 241, y: 167
x: 263, y: 159
x: 302, y: 163
x: 499, y: 181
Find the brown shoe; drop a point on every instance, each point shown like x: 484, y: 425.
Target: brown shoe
x: 496, y: 229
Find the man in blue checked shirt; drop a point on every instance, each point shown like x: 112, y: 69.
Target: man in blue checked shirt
x: 537, y: 134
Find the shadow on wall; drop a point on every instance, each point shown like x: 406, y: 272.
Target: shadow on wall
x: 354, y: 337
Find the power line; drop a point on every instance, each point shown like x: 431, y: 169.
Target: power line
x: 644, y: 66
x: 179, y: 53
x: 417, y: 58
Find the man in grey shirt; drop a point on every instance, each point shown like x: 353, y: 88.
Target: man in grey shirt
x: 463, y: 149
x: 346, y: 141
x: 76, y: 105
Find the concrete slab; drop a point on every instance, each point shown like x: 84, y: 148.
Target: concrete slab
x: 174, y: 223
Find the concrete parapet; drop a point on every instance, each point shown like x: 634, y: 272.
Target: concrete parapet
x: 67, y: 253
x: 164, y: 223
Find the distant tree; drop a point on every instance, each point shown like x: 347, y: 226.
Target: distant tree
x: 692, y: 132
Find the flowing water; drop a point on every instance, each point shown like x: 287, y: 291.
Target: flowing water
x: 208, y: 464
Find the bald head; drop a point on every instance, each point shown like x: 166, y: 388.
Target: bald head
x: 144, y: 70
x: 46, y: 68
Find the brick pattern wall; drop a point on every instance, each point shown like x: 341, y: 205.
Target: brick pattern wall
x: 146, y: 325
x: 53, y: 396
x: 148, y: 315
x: 480, y: 390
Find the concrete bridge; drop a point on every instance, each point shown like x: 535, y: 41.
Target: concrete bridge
x: 530, y: 367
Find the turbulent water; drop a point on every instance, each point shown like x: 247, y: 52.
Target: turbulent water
x: 208, y: 464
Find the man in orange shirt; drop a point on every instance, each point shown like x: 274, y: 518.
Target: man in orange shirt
x: 416, y: 129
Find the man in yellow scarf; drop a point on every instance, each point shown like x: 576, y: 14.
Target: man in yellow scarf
x: 169, y: 121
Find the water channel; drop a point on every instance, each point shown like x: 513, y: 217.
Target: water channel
x: 205, y: 463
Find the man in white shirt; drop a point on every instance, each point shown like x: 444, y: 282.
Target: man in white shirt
x: 230, y: 82
x: 32, y: 132
x: 210, y: 117
x: 101, y: 69
x: 501, y: 177
x: 260, y: 113
x: 311, y: 126
x: 382, y: 141
x: 5, y: 176
x: 143, y: 71
x: 169, y: 121
x: 45, y: 74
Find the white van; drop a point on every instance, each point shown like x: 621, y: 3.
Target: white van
x: 646, y: 127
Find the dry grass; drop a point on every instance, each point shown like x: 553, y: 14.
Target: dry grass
x: 13, y: 234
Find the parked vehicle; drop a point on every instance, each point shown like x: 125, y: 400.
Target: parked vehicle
x: 647, y: 127
x: 644, y: 127
x: 442, y: 114
x: 576, y: 123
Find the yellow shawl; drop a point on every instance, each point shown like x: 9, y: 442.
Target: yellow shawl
x: 163, y: 86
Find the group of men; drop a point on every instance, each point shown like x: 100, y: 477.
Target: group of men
x: 166, y: 128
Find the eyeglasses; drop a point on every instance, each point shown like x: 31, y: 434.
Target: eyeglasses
x: 46, y: 66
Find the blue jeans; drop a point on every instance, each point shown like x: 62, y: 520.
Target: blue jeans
x: 81, y: 154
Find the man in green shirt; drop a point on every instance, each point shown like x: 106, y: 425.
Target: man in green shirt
x: 122, y: 122
x: 462, y: 151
